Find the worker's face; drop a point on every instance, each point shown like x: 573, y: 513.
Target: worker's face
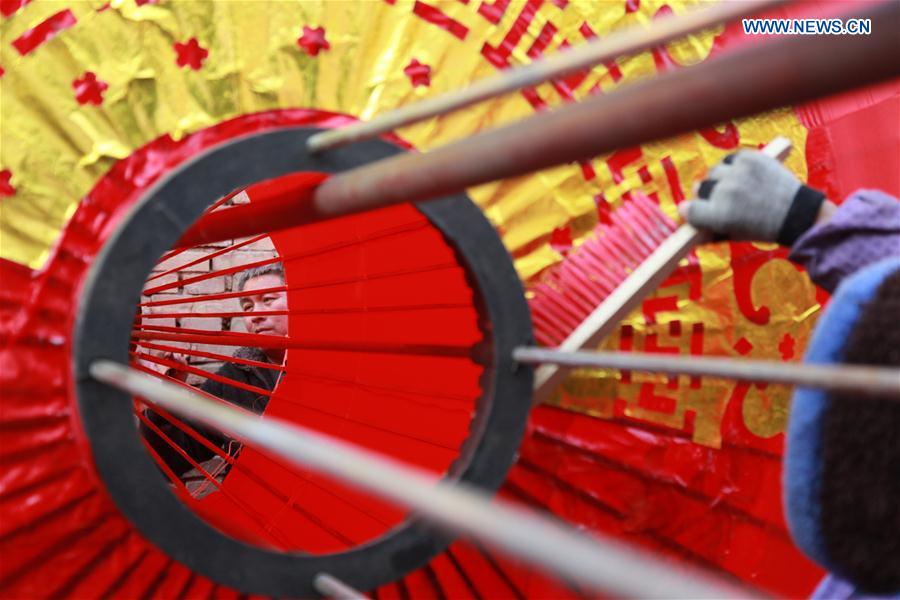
x: 254, y: 303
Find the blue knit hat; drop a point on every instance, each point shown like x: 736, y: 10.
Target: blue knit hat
x: 803, y: 464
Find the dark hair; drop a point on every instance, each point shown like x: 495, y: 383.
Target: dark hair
x: 244, y: 276
x: 861, y: 457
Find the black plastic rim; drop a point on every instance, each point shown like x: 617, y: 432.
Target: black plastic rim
x: 105, y: 317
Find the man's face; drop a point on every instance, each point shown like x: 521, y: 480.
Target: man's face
x: 253, y: 303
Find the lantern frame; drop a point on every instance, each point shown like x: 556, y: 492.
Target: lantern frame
x: 112, y: 290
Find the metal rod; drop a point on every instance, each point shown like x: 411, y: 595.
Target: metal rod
x: 856, y: 379
x: 332, y: 587
x: 600, y: 564
x: 610, y: 47
x: 645, y: 278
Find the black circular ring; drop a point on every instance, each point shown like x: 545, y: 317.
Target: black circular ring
x: 112, y: 290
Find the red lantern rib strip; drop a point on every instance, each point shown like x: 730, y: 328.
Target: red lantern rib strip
x: 307, y: 286
x: 218, y: 203
x: 199, y: 336
x: 309, y: 407
x: 398, y: 230
x: 212, y: 274
x: 190, y: 431
x: 213, y: 356
x: 209, y: 256
x: 392, y: 391
x: 237, y: 465
x: 207, y: 374
x: 309, y: 311
x: 263, y: 392
x: 240, y: 505
x: 208, y: 297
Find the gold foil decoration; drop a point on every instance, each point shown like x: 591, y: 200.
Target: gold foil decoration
x: 57, y: 149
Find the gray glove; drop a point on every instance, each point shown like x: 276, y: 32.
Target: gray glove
x: 751, y: 196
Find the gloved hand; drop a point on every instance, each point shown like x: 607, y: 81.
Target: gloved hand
x: 751, y: 196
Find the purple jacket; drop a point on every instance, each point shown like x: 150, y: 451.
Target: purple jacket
x: 865, y: 229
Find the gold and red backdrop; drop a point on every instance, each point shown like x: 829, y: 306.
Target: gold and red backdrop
x: 689, y: 470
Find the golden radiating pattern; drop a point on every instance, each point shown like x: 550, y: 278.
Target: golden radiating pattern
x: 777, y: 285
x: 380, y: 55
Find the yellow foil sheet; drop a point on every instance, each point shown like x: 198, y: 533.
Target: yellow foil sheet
x: 56, y: 148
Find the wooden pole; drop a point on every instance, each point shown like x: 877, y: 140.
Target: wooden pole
x: 615, y: 45
x: 786, y: 71
x: 602, y: 565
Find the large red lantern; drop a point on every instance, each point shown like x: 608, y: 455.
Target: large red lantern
x: 691, y: 476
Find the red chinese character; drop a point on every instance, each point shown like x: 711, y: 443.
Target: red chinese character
x: 727, y: 139
x: 499, y: 55
x: 786, y: 347
x: 493, y: 12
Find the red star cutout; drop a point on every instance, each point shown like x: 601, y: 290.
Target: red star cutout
x: 6, y: 188
x: 89, y: 89
x: 191, y: 54
x: 418, y: 73
x: 313, y: 40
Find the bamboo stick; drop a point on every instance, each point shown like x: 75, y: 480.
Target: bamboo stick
x: 615, y: 45
x: 854, y: 379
